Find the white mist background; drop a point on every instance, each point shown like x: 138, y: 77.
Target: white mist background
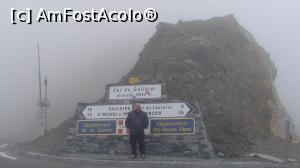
x: 80, y: 58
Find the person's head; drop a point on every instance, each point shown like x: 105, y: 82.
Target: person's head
x: 137, y: 107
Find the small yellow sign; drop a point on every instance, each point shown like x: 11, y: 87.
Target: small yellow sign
x: 134, y: 80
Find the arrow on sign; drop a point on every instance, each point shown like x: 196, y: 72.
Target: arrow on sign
x: 107, y: 111
x: 166, y: 109
x: 152, y: 109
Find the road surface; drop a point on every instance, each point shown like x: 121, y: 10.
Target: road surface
x: 30, y: 163
x: 16, y: 161
x: 13, y: 160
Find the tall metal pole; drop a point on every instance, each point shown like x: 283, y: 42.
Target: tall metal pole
x: 286, y: 138
x: 40, y: 114
x: 42, y: 103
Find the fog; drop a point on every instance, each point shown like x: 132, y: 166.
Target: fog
x: 80, y: 58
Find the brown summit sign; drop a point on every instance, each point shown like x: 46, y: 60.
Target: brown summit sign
x: 134, y: 80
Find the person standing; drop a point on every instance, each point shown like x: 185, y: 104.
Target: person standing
x: 136, y: 122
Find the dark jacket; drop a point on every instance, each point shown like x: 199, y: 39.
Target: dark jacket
x: 137, y: 122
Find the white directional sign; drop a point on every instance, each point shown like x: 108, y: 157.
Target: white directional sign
x: 148, y: 91
x: 107, y: 111
x: 121, y: 111
x: 166, y: 109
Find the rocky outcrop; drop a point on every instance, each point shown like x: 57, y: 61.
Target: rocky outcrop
x: 218, y: 63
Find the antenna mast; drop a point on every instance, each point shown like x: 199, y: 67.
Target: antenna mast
x: 43, y: 104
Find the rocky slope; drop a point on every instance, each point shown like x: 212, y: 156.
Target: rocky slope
x: 219, y: 64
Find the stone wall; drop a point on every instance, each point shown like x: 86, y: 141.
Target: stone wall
x: 197, y: 145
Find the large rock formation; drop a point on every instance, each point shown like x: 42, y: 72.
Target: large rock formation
x: 218, y: 64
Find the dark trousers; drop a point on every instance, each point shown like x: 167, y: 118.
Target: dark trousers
x: 140, y: 139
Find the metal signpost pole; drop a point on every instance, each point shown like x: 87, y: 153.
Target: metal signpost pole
x: 286, y: 138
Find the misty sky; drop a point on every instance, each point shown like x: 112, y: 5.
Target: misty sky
x: 80, y: 58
